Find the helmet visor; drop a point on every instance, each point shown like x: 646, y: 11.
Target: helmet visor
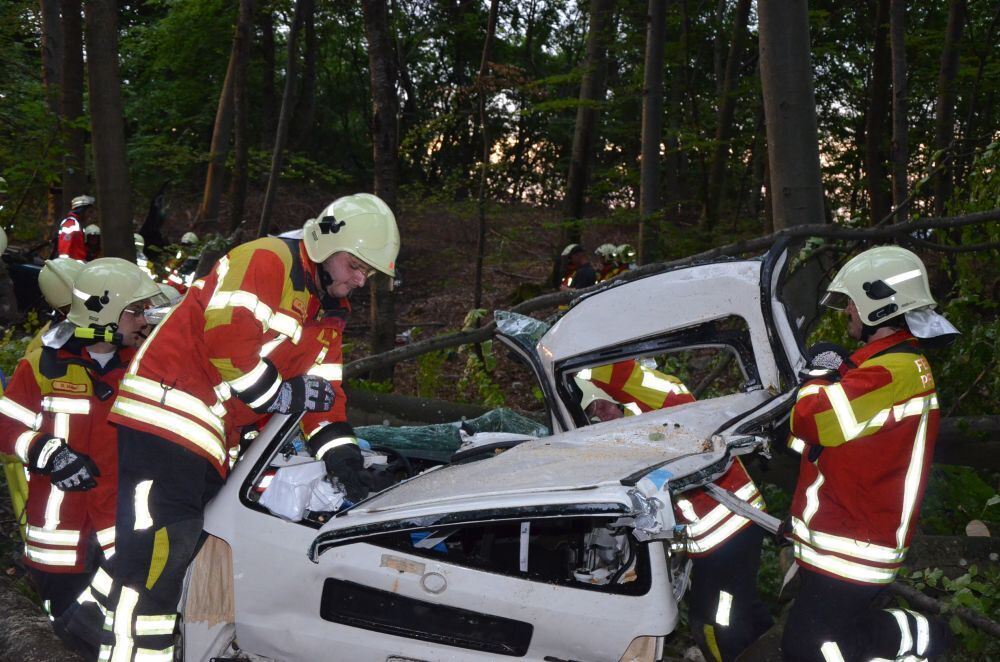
x: 835, y: 300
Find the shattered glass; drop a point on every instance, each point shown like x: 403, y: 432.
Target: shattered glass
x: 523, y: 330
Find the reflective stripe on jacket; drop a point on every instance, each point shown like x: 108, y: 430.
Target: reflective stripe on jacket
x: 641, y: 389
x: 856, y: 502
x: 49, y: 397
x: 71, y: 242
x: 202, y: 372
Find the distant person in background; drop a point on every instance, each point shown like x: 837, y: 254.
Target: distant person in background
x: 92, y: 240
x: 582, y: 274
x: 70, y: 241
x: 180, y: 269
x: 606, y: 264
x: 626, y: 257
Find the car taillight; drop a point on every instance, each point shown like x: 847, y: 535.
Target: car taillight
x: 643, y: 649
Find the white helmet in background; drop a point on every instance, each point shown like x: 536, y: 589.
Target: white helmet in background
x: 56, y: 279
x: 105, y: 287
x: 92, y: 229
x: 81, y: 201
x: 360, y: 224
x: 140, y: 243
x: 883, y: 282
x: 189, y: 238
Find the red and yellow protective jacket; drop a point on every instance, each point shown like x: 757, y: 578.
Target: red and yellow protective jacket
x: 65, y: 393
x: 866, y: 443
x: 71, y: 242
x: 640, y: 389
x: 223, y: 352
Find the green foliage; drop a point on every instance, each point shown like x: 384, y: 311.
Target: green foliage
x: 429, y: 374
x: 14, y: 340
x: 477, y: 377
x: 954, y: 496
x: 978, y: 590
x: 372, y: 385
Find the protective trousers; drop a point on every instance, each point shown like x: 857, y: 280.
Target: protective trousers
x: 162, y: 492
x: 724, y: 611
x: 837, y: 621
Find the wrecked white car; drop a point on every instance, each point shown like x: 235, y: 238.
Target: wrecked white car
x: 559, y: 548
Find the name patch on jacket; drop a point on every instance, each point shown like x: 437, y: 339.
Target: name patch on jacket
x: 68, y: 387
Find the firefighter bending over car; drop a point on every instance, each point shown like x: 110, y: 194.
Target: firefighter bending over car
x: 53, y: 417
x: 865, y: 425
x: 726, y: 614
x: 260, y: 335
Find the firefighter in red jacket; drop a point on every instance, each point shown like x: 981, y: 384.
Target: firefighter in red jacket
x: 71, y: 242
x: 260, y: 335
x: 866, y: 427
x: 725, y: 612
x: 53, y: 416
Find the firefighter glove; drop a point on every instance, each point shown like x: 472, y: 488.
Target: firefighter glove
x: 345, y: 468
x: 826, y: 361
x: 71, y: 471
x: 303, y: 393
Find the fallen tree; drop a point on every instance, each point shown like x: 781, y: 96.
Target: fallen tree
x: 902, y: 233
x: 25, y: 631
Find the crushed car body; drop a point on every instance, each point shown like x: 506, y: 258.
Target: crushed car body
x: 559, y: 547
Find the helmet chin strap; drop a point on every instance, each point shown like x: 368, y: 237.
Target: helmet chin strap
x: 106, y: 334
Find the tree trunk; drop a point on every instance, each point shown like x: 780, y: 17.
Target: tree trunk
x: 385, y: 154
x: 796, y: 189
x: 25, y: 631
x: 900, y: 142
x: 208, y: 213
x: 672, y: 160
x: 484, y: 164
x: 592, y: 91
x: 944, y: 124
x: 52, y: 58
x: 724, y: 124
x: 114, y: 194
x: 305, y: 109
x: 652, y: 130
x: 287, y: 106
x: 74, y: 177
x: 267, y: 49
x: 879, y: 202
x: 241, y: 47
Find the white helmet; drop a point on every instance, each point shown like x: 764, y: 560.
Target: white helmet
x: 92, y: 229
x: 56, y: 278
x: 140, y: 243
x: 189, y: 238
x: 883, y: 282
x: 606, y: 250
x: 360, y: 224
x: 105, y: 287
x: 625, y: 253
x: 81, y: 201
x: 570, y: 249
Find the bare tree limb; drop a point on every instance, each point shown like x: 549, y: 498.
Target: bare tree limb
x: 927, y: 603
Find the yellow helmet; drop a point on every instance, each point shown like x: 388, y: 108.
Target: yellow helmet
x: 105, y: 287
x: 883, y: 282
x: 360, y: 224
x: 625, y: 252
x: 56, y: 278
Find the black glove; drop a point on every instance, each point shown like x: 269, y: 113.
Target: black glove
x: 71, y: 471
x: 345, y: 467
x: 303, y: 393
x: 825, y: 360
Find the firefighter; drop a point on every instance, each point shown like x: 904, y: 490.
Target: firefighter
x: 607, y: 268
x: 260, y: 335
x: 92, y: 239
x: 725, y: 613
x: 140, y: 255
x: 579, y: 273
x: 70, y: 242
x: 55, y: 280
x: 180, y: 269
x: 53, y: 417
x: 865, y: 425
